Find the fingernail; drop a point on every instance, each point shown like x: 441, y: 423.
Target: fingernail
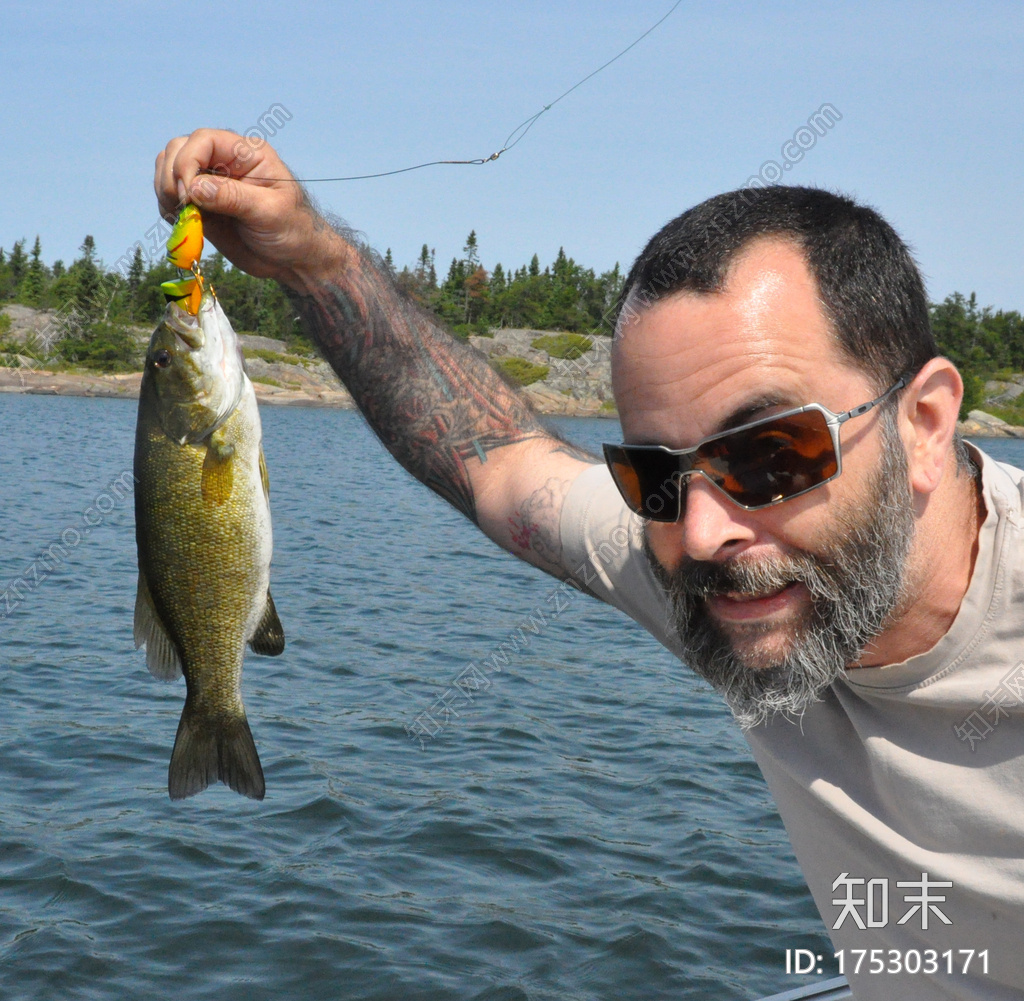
x: 182, y: 195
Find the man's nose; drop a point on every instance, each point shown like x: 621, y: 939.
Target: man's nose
x: 713, y: 527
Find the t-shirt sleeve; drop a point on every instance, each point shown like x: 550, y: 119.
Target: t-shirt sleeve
x: 602, y: 541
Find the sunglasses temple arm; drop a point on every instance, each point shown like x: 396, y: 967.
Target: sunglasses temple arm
x: 865, y: 407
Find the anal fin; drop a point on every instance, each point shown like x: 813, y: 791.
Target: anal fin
x: 269, y: 636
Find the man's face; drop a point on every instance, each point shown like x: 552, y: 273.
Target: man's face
x: 771, y: 605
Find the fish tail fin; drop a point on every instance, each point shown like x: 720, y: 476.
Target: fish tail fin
x: 211, y: 749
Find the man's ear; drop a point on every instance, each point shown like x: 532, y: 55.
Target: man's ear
x: 930, y: 405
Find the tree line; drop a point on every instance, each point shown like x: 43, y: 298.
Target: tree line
x: 471, y: 299
x: 95, y: 305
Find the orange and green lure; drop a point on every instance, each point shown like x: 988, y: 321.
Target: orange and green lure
x: 184, y: 249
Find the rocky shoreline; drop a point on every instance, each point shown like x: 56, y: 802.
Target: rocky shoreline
x: 548, y: 401
x: 576, y: 387
x: 982, y: 425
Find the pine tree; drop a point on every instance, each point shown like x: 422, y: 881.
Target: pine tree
x: 17, y: 264
x: 451, y: 296
x: 136, y: 270
x: 472, y: 252
x: 494, y: 312
x: 426, y: 273
x: 33, y: 285
x: 87, y: 279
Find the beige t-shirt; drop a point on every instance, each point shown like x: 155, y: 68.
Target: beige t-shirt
x: 910, y: 774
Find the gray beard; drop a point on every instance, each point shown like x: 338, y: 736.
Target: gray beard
x: 857, y: 587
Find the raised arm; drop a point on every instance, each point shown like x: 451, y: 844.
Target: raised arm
x: 434, y: 402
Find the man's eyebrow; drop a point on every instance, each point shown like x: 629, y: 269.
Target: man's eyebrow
x: 753, y: 409
x: 746, y: 413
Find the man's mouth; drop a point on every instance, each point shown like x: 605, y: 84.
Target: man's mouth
x: 748, y: 605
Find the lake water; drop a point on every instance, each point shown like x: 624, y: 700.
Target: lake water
x: 591, y: 825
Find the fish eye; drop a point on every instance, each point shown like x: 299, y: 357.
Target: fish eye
x: 162, y: 358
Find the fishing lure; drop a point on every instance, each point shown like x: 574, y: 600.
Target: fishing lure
x: 184, y: 250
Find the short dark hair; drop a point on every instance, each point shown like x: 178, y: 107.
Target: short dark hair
x: 870, y: 285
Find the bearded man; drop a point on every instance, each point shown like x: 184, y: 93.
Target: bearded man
x: 790, y: 512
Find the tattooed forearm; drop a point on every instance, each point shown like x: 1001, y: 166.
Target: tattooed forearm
x: 433, y: 401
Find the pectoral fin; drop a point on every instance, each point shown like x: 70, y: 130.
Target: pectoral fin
x: 269, y: 636
x: 264, y: 478
x: 161, y: 656
x: 218, y: 477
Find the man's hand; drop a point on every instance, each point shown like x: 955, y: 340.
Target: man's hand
x: 253, y: 210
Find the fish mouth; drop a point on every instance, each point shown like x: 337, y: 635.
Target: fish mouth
x: 189, y: 340
x: 186, y: 327
x: 193, y: 339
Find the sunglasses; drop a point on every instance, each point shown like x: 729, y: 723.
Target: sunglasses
x: 757, y: 465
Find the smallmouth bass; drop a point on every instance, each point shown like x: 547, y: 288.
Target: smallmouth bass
x: 202, y: 526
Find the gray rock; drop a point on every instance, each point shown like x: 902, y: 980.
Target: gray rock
x: 259, y: 343
x: 981, y: 424
x: 587, y: 380
x: 512, y: 342
x: 1011, y: 391
x: 986, y: 420
x: 38, y: 323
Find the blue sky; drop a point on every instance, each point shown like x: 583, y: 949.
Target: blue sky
x: 931, y: 97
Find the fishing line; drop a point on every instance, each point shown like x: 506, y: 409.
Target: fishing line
x: 514, y: 137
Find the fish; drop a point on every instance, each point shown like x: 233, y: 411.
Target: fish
x: 203, y: 532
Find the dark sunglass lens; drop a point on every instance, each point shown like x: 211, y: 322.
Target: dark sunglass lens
x: 647, y: 479
x: 772, y: 461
